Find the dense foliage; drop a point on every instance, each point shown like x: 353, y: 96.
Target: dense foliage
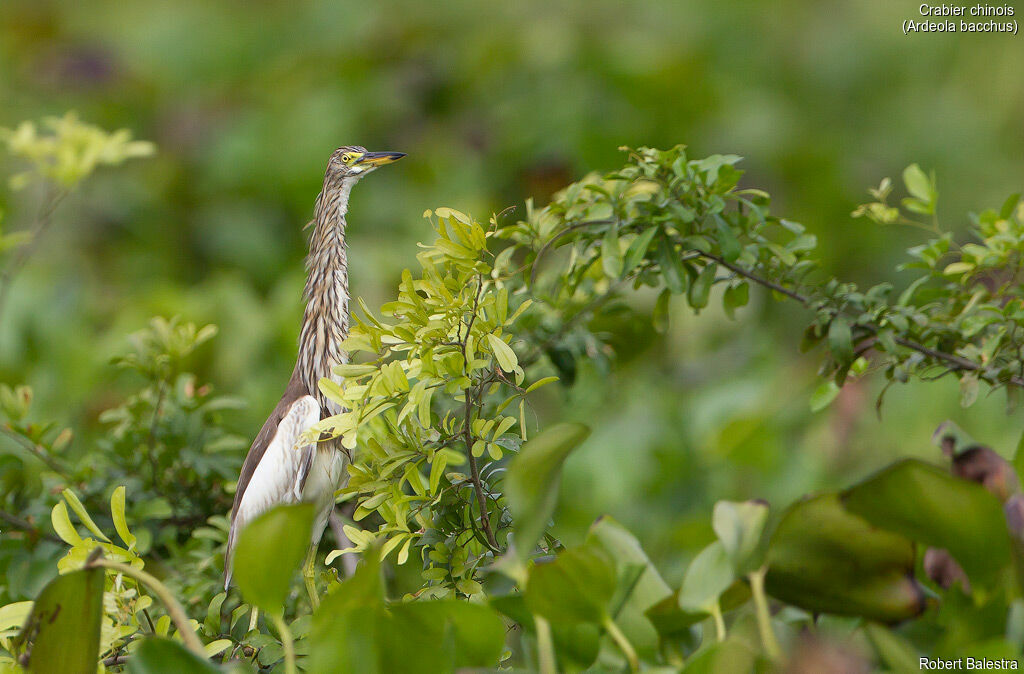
x: 455, y: 479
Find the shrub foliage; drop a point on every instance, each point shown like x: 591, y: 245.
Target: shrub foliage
x: 454, y: 475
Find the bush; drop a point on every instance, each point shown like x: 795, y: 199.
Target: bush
x: 452, y: 476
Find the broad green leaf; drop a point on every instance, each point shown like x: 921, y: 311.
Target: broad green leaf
x: 740, y: 528
x: 672, y: 271
x: 163, y: 656
x: 120, y: 522
x: 639, y: 586
x: 611, y: 253
x: 269, y: 550
x: 531, y: 484
x: 638, y: 249
x: 701, y: 288
x: 823, y: 558
x: 576, y: 587
x: 354, y: 630
x: 928, y: 505
x: 726, y: 657
x: 63, y: 630
x: 840, y: 339
x: 735, y: 296
x: 823, y: 395
x: 708, y: 576
x: 727, y: 240
x: 918, y: 183
x: 451, y: 635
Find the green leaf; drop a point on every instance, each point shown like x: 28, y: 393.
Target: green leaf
x: 531, y: 484
x: 672, y: 271
x: 1009, y: 206
x: 263, y: 571
x: 62, y: 525
x: 928, y: 505
x: 735, y: 296
x: 731, y: 655
x: 727, y: 240
x: 162, y: 656
x: 660, y: 314
x: 356, y: 631
x: 639, y: 586
x: 740, y: 527
x: 120, y: 522
x: 823, y: 395
x: 611, y: 254
x: 63, y: 629
x: 840, y: 339
x: 823, y: 558
x: 918, y: 183
x: 892, y: 649
x: 701, y: 288
x: 576, y: 587
x: 708, y: 576
x: 638, y: 249
x: 451, y: 636
x: 83, y: 515
x: 503, y: 353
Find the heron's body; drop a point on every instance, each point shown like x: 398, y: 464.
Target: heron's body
x: 277, y: 468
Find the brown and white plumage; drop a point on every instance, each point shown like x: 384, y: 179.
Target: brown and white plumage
x: 277, y: 468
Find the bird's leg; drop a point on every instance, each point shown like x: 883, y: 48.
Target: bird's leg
x: 309, y: 575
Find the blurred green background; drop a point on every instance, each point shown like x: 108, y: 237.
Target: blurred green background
x: 496, y: 102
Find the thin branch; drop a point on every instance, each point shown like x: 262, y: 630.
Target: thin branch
x: 792, y: 294
x: 38, y: 451
x: 957, y: 363
x: 51, y: 200
x: 25, y: 525
x: 547, y: 244
x: 478, y: 487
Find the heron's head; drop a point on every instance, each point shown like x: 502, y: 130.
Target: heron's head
x: 352, y: 162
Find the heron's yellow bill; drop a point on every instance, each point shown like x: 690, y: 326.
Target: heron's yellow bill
x: 378, y: 158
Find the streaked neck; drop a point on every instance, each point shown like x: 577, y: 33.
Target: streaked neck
x: 325, y: 322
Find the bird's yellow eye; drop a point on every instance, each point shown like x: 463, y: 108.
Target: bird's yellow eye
x: 347, y: 157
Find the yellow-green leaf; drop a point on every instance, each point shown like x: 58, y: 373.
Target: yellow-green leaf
x: 120, y: 522
x: 62, y: 525
x: 83, y: 515
x: 503, y: 353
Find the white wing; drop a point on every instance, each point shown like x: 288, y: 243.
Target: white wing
x: 281, y: 472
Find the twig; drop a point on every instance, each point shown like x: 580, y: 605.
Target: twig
x: 27, y: 526
x: 39, y: 452
x: 547, y: 244
x: 956, y: 362
x: 478, y: 487
x: 51, y: 200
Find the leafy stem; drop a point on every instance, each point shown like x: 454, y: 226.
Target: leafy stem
x: 174, y: 609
